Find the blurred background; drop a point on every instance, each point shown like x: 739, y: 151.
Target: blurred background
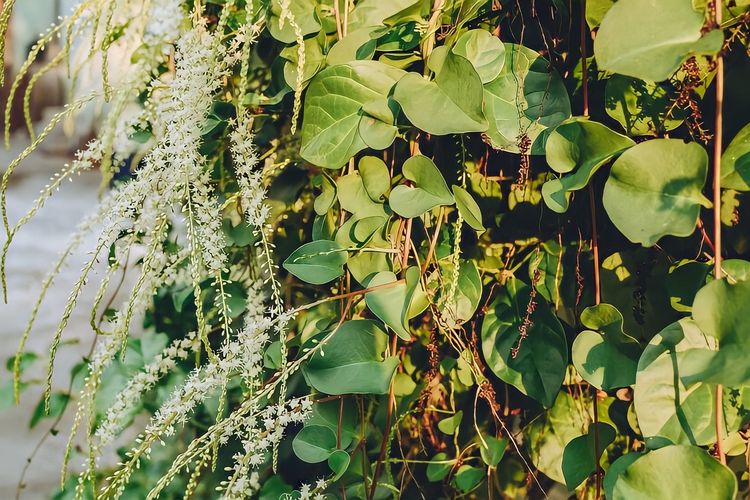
x: 23, y: 431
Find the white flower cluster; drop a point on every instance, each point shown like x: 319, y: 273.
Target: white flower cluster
x: 142, y: 382
x: 165, y: 18
x: 250, y: 179
x: 259, y: 436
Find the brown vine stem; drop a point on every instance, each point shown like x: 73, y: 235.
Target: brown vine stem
x: 719, y: 409
x: 594, y: 239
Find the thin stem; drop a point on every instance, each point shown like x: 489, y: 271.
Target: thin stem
x: 719, y: 409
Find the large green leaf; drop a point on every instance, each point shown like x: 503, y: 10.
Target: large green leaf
x: 583, y: 146
x: 581, y: 456
x: 317, y: 262
x: 428, y: 189
x: 735, y: 162
x: 303, y: 12
x: 654, y: 189
x: 451, y: 104
x: 337, y: 100
x: 538, y: 367
x: 642, y: 108
x: 665, y: 406
x: 676, y: 472
x: 352, y: 361
x: 525, y: 99
x: 650, y: 39
x: 720, y: 311
x: 605, y: 356
x: 468, y: 208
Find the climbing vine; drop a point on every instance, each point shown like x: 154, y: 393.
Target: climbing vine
x: 405, y: 248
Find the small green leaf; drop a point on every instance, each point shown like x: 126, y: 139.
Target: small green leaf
x: 375, y: 177
x: 429, y: 189
x: 317, y: 262
x: 352, y: 361
x: 580, y: 457
x: 58, y: 401
x: 449, y: 425
x: 583, y: 146
x: 439, y: 467
x: 650, y: 40
x: 646, y: 203
x: 467, y: 478
x: 494, y: 450
x: 735, y: 162
x: 314, y: 443
x: 468, y: 208
x: 676, y: 472
x: 484, y: 51
x: 338, y: 461
x: 394, y: 305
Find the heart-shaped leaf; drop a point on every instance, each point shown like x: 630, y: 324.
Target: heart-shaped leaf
x: 395, y: 305
x: 580, y: 457
x: 484, y: 51
x: 337, y: 99
x: 317, y: 262
x: 375, y: 176
x: 735, y: 162
x: 492, y: 450
x: 439, y: 467
x: 352, y: 361
x: 655, y: 189
x: 467, y: 478
x: 583, y: 146
x: 524, y: 100
x: 449, y: 425
x: 650, y: 40
x: 676, y: 472
x: 314, y: 443
x: 538, y: 367
x: 338, y: 461
x: 452, y: 104
x: 429, y: 189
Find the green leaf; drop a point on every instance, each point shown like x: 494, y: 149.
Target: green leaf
x: 595, y: 11
x: 468, y: 208
x: 338, y: 461
x: 664, y: 405
x: 353, y: 196
x: 356, y: 45
x: 438, y: 471
x: 336, y: 101
x: 539, y: 367
x: 314, y: 443
x: 676, y: 472
x: 315, y: 60
x: 615, y: 469
x: 317, y: 262
x: 720, y: 311
x: 523, y: 101
x: 460, y: 308
x: 377, y: 12
x: 58, y: 401
x: 467, y: 478
x: 428, y: 191
x: 494, y: 450
x: 375, y: 177
x: 580, y: 457
x: 352, y: 361
x: 606, y: 358
x: 735, y: 162
x: 579, y: 145
x: 646, y: 203
x: 327, y: 197
x: 303, y: 12
x: 451, y: 104
x: 327, y: 414
x: 642, y: 108
x: 484, y: 51
x: 450, y: 424
x: 395, y: 305
x: 650, y: 40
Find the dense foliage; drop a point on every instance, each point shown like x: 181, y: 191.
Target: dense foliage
x: 411, y: 248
